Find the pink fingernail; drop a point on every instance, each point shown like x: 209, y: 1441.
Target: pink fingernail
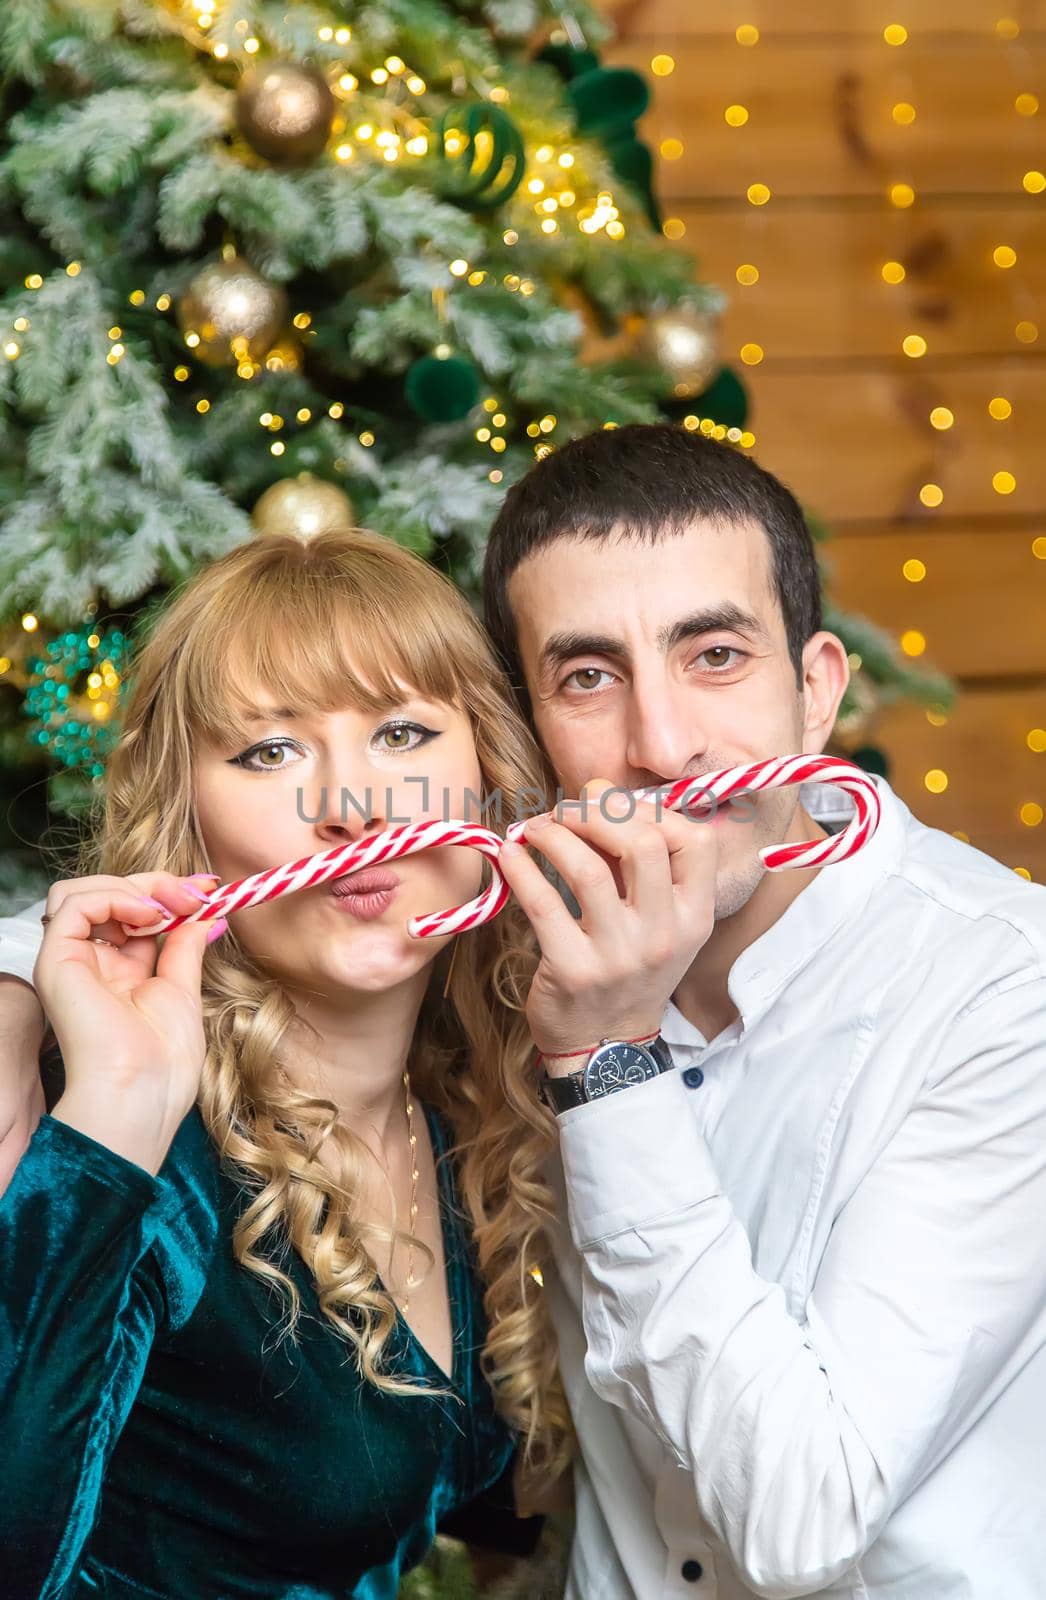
x: 218, y: 929
x: 198, y: 894
x: 147, y: 901
x: 215, y: 875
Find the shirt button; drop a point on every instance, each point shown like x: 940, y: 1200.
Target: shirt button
x: 692, y: 1571
x: 693, y: 1077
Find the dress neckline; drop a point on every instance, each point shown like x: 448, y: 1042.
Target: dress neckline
x: 453, y: 1266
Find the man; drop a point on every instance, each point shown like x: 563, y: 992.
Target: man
x: 801, y: 1296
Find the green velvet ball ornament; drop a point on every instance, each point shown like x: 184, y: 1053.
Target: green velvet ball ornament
x: 633, y: 162
x: 442, y: 389
x: 608, y: 100
x: 725, y: 400
x: 869, y: 759
x: 568, y: 62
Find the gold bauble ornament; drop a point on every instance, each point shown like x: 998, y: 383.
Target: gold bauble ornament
x: 285, y: 111
x: 684, y: 343
x: 303, y: 506
x: 230, y: 313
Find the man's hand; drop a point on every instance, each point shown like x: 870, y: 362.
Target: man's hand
x: 22, y: 1027
x: 646, y: 889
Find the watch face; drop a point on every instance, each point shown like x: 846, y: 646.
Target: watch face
x: 617, y: 1066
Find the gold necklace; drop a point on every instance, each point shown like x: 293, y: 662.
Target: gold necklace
x: 412, y: 1136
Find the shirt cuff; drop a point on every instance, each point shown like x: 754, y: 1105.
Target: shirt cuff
x: 633, y: 1156
x: 20, y: 940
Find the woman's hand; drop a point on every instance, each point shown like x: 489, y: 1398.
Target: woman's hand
x: 646, y: 888
x: 127, y: 1014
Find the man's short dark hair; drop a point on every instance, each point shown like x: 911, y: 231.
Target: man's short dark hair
x: 648, y: 480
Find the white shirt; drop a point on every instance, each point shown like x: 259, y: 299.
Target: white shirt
x: 801, y: 1305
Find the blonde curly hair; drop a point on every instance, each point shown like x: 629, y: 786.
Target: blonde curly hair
x: 297, y: 618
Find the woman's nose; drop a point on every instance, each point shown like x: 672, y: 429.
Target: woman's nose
x: 340, y: 816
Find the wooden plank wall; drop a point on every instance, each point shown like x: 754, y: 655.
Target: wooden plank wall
x: 840, y: 411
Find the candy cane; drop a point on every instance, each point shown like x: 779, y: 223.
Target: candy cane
x: 686, y: 794
x: 405, y: 840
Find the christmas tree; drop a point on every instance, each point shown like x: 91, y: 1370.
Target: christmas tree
x: 271, y: 266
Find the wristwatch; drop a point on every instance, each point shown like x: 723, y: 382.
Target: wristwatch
x: 614, y: 1064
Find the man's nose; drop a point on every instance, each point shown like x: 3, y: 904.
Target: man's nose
x: 665, y: 739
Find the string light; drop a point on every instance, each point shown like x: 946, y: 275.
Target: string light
x: 999, y: 408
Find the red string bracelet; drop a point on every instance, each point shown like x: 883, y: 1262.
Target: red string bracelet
x: 561, y: 1055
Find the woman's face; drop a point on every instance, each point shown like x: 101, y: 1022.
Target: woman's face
x: 307, y: 784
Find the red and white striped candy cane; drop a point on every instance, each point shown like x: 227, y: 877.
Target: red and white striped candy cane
x: 780, y: 773
x: 693, y: 794
x: 405, y: 840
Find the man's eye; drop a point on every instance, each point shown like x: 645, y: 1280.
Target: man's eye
x: 721, y: 649
x: 269, y: 746
x: 399, y: 728
x: 587, y: 673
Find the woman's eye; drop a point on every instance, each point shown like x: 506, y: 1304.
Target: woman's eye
x: 398, y: 736
x: 584, y: 676
x: 270, y: 747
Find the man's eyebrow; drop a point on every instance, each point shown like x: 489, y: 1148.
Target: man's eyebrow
x: 726, y: 616
x: 560, y: 648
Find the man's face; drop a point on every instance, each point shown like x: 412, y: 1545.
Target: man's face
x: 649, y: 662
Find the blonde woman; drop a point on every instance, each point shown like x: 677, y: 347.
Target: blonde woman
x: 257, y: 1337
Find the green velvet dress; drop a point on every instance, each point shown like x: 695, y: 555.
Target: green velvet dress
x: 160, y: 1443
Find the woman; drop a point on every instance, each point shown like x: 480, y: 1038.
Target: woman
x: 250, y: 1119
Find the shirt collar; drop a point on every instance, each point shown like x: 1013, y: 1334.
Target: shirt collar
x: 830, y: 900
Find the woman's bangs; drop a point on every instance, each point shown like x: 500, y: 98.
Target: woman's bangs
x: 317, y: 648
